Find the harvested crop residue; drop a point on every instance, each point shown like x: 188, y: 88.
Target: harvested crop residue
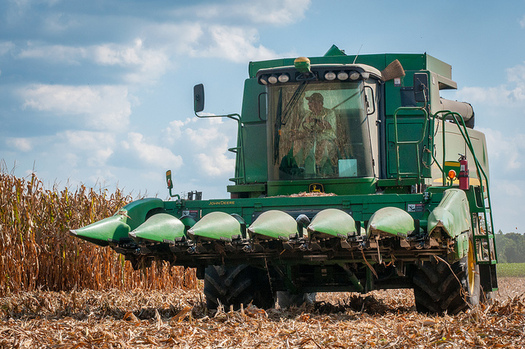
x: 152, y: 319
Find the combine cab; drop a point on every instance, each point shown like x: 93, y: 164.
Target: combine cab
x: 352, y: 174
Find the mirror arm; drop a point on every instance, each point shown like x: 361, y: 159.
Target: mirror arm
x: 233, y: 116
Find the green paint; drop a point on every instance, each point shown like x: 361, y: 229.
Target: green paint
x: 161, y: 227
x: 391, y: 220
x: 274, y: 224
x: 451, y: 215
x: 102, y: 232
x: 332, y: 222
x: 216, y: 226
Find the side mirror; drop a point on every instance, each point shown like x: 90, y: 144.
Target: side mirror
x: 198, y: 105
x: 198, y: 98
x: 421, y: 87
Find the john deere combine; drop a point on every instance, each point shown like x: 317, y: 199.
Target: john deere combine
x: 352, y: 174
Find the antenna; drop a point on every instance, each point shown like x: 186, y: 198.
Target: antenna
x: 357, y: 55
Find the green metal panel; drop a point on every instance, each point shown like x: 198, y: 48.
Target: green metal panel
x: 391, y: 220
x: 255, y: 154
x: 379, y: 61
x: 394, y: 93
x: 452, y: 214
x: 344, y: 186
x: 362, y: 207
x: 243, y: 188
x: 251, y: 164
x: 438, y: 67
x: 117, y: 227
x: 216, y: 226
x: 102, y: 232
x: 137, y: 211
x: 410, y: 128
x: 274, y: 224
x: 160, y: 227
x: 252, y: 101
x: 334, y: 51
x: 333, y: 222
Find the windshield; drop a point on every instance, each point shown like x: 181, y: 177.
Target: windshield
x: 318, y: 130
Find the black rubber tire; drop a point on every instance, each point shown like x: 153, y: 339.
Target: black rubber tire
x: 241, y: 284
x: 437, y: 290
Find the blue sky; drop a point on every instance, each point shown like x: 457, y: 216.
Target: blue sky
x: 100, y: 92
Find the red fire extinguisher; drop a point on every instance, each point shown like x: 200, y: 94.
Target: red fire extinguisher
x: 463, y: 173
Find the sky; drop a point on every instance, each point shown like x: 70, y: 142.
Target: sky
x: 100, y: 92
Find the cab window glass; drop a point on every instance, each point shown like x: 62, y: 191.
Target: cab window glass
x: 320, y: 130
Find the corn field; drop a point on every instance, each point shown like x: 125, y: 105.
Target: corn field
x: 36, y: 251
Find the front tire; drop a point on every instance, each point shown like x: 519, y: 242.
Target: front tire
x: 439, y: 290
x: 236, y: 285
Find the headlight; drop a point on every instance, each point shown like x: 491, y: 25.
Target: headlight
x: 330, y: 76
x: 354, y: 75
x: 342, y: 75
x: 284, y: 78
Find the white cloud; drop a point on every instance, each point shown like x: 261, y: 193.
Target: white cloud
x: 506, y: 188
x: 517, y: 74
x: 204, y: 138
x: 111, y: 54
x: 216, y: 162
x: 59, y: 22
x: 143, y: 64
x: 522, y: 22
x: 176, y: 38
x: 156, y: 47
x: 54, y: 53
x: 236, y: 44
x: 20, y: 144
x: 492, y: 95
x: 5, y: 47
x: 211, y: 146
x: 95, y: 147
x: 100, y: 107
x: 174, y: 130
x: 273, y: 12
x: 148, y: 64
x: 207, y: 146
x: 508, y: 94
x: 506, y: 151
x: 151, y: 154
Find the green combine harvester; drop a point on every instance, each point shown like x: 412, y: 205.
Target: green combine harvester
x: 352, y: 174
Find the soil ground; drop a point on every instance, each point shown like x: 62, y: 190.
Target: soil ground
x: 153, y: 319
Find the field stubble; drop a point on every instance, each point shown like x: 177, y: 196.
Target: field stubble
x: 152, y: 319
